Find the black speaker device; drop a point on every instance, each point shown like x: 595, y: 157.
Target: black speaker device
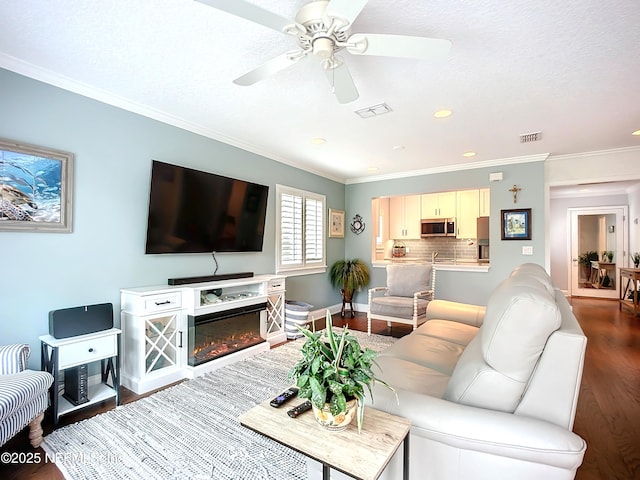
x: 76, y: 384
x: 70, y: 322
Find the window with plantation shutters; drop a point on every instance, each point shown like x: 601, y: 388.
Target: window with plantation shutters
x: 300, y: 230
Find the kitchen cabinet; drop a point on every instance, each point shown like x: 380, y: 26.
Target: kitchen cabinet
x: 468, y: 210
x: 404, y: 216
x: 380, y: 216
x: 438, y: 205
x: 485, y: 209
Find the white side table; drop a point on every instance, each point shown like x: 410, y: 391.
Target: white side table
x: 60, y: 354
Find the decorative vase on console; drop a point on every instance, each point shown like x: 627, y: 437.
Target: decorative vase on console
x: 636, y: 259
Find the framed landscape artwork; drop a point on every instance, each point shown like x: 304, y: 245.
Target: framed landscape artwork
x: 35, y: 188
x: 516, y: 224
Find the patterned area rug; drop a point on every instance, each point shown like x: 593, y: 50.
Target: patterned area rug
x: 190, y: 431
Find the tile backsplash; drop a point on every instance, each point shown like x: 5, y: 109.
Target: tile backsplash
x: 447, y: 248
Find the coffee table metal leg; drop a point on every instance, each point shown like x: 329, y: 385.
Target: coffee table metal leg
x: 326, y: 472
x: 405, y: 468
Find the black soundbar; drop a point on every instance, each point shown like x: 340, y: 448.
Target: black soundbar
x: 209, y: 278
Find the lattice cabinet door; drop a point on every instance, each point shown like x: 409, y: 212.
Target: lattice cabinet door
x: 162, y: 340
x: 154, y: 329
x: 274, y: 328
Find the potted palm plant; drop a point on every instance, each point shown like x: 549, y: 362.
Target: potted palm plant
x: 332, y: 374
x: 349, y: 276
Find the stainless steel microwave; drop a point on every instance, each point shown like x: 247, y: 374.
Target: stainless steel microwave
x: 438, y: 227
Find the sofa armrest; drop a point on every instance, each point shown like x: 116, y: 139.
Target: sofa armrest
x: 456, y: 311
x: 13, y: 358
x: 486, y: 431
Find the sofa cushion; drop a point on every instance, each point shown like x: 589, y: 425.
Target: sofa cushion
x: 434, y: 353
x: 399, y: 307
x: 454, y: 332
x: 532, y: 271
x: 403, y: 280
x: 402, y: 374
x: 496, y: 366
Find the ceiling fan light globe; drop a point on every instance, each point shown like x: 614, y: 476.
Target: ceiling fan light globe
x: 323, y: 47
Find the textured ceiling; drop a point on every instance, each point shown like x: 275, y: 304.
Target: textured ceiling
x: 569, y: 69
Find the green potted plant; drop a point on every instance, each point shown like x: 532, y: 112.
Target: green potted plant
x: 636, y: 259
x: 332, y: 374
x: 349, y: 276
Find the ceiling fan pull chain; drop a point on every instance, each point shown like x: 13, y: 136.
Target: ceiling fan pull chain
x: 333, y: 79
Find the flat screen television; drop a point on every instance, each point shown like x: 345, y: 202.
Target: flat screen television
x: 191, y: 211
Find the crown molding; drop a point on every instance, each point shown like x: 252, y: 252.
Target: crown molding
x: 594, y: 153
x: 65, y: 83
x: 452, y: 168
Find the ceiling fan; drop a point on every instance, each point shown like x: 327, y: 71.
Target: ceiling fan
x: 323, y: 28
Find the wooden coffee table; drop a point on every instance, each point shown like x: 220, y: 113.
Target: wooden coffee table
x: 363, y: 456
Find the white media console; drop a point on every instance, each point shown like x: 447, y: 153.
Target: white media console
x: 154, y: 323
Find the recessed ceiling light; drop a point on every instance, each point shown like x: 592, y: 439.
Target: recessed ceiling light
x: 318, y: 140
x: 637, y: 133
x: 469, y: 154
x: 443, y: 113
x: 399, y: 147
x: 372, y: 169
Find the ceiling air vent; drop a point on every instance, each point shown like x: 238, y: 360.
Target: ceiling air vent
x: 530, y: 137
x: 374, y: 110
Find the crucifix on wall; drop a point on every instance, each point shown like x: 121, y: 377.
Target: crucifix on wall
x: 515, y: 191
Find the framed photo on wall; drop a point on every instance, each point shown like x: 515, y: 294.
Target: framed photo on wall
x: 35, y: 188
x: 516, y: 224
x: 336, y: 223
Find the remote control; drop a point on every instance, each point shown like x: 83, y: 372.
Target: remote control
x: 284, y: 397
x: 300, y: 409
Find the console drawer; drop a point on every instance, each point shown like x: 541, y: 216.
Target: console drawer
x: 162, y: 302
x: 87, y: 351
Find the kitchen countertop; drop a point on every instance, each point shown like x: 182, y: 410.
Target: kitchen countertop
x: 460, y: 265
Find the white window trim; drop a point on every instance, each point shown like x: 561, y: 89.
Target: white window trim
x: 304, y: 269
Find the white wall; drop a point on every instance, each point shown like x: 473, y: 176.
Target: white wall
x: 604, y: 166
x: 634, y: 221
x: 559, y: 223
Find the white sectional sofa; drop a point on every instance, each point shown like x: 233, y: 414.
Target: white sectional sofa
x: 491, y: 391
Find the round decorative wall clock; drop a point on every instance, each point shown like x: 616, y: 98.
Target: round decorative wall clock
x: 357, y: 225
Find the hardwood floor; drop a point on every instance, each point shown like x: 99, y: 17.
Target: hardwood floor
x: 608, y: 415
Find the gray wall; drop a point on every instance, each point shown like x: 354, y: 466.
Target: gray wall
x: 113, y: 150
x: 468, y: 287
x: 105, y: 252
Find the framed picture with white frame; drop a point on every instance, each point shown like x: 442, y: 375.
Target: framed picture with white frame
x: 336, y: 223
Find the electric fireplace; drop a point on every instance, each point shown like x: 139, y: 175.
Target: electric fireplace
x: 214, y: 335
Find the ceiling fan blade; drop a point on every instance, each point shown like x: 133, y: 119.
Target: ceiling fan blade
x: 342, y: 83
x: 251, y: 12
x: 269, y: 68
x: 345, y: 9
x: 398, y: 46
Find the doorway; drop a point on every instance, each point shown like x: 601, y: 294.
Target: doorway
x: 598, y: 237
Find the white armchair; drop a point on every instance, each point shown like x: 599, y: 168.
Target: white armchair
x: 23, y: 394
x: 404, y: 300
